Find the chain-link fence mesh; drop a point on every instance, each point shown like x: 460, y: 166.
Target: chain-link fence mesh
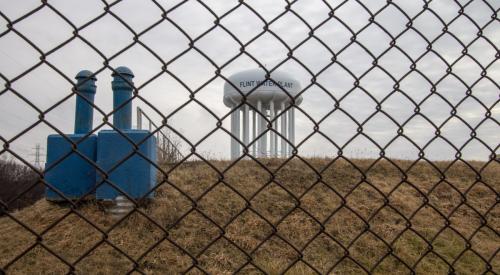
x: 419, y: 67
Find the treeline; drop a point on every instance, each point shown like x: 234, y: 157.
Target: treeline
x: 16, y: 178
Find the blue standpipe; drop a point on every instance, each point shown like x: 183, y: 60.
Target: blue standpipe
x: 122, y: 92
x: 72, y: 175
x: 84, y: 112
x: 135, y: 176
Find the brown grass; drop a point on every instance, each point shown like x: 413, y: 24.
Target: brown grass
x: 237, y: 230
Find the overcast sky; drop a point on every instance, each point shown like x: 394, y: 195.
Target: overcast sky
x: 44, y: 86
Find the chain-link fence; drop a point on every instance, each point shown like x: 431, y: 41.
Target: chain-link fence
x: 394, y: 166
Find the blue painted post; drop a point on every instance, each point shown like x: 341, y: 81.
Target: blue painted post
x: 68, y: 172
x: 122, y: 91
x: 84, y: 111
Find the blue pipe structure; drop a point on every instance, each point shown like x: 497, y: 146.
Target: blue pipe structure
x: 84, y: 112
x: 127, y: 155
x: 122, y: 86
x: 66, y: 170
x: 71, y: 158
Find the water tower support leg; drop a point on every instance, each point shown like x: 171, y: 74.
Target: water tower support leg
x: 233, y: 132
x: 246, y: 125
x: 254, y: 133
x: 271, y: 117
x: 237, y: 132
x: 290, y: 130
x: 283, y: 131
x: 275, y: 127
x: 292, y: 134
x: 260, y: 144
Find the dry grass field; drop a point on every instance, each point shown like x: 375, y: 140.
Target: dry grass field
x: 277, y: 222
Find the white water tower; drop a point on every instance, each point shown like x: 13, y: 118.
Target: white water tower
x: 268, y: 97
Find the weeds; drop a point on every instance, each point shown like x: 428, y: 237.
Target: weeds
x: 295, y: 222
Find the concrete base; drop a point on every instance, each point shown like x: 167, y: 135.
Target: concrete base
x: 73, y: 176
x: 136, y: 175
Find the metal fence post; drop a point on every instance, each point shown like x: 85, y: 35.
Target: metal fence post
x: 139, y: 118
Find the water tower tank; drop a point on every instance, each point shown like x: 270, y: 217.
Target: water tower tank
x: 266, y: 100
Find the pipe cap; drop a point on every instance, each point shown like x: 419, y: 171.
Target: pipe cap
x: 85, y: 82
x: 124, y: 71
x: 85, y: 74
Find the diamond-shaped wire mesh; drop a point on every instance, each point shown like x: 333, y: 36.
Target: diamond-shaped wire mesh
x: 390, y: 88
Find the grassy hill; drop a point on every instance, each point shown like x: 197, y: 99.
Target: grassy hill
x: 222, y: 220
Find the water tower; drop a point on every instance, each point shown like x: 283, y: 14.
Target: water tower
x: 268, y: 97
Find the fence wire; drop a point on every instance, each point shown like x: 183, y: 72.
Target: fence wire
x: 330, y: 221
